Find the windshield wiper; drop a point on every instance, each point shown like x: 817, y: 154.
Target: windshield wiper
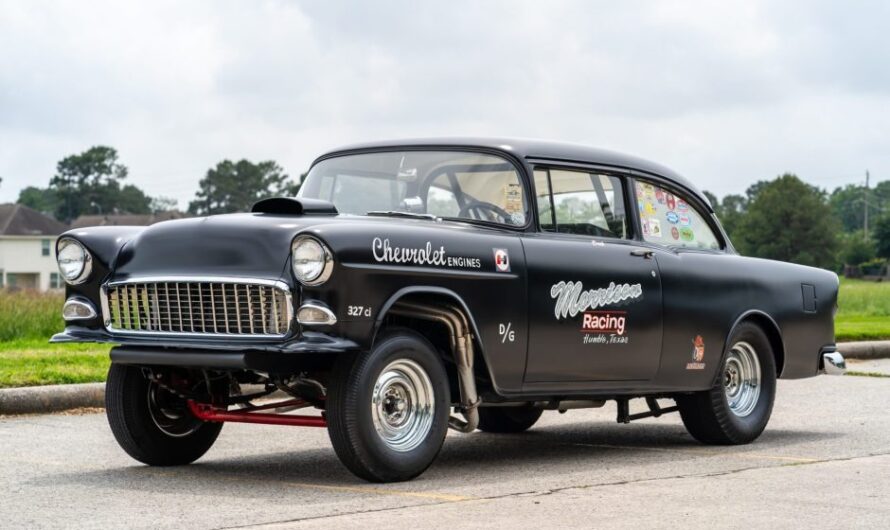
x: 396, y: 213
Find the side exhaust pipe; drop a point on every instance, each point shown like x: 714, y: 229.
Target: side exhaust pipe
x: 462, y: 345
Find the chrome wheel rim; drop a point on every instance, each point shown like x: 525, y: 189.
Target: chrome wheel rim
x: 169, y: 413
x: 402, y: 405
x: 741, y: 379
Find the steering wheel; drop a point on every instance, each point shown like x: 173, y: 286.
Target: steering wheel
x: 480, y: 208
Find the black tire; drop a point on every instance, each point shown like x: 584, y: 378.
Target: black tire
x: 508, y: 419
x: 708, y: 416
x: 351, y: 410
x: 137, y: 428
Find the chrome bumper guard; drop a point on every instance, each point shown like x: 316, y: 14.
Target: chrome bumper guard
x: 833, y: 363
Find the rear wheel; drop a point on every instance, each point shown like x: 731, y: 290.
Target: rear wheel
x: 387, y: 409
x: 738, y: 407
x: 151, y: 424
x: 508, y: 419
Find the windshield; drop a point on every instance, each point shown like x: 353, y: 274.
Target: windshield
x: 446, y: 184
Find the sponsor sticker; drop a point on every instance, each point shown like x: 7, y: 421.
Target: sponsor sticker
x: 654, y: 228
x: 659, y: 196
x: 698, y: 354
x: 682, y: 206
x: 672, y: 218
x: 501, y: 260
x: 513, y: 198
x: 649, y: 209
x: 685, y: 220
x: 686, y: 234
x: 675, y: 233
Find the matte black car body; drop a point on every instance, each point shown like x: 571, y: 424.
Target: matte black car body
x: 686, y: 294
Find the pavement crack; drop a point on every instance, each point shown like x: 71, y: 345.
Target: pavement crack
x: 555, y: 491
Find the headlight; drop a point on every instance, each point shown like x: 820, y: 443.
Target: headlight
x: 75, y: 263
x: 312, y: 261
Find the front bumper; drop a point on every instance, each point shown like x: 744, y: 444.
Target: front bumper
x: 230, y: 354
x: 833, y: 363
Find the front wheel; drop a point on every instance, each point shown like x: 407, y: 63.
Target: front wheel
x: 738, y: 407
x: 151, y: 424
x: 387, y: 409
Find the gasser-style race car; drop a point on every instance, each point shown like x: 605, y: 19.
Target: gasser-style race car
x: 419, y: 285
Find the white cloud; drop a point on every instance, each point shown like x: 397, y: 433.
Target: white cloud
x: 725, y: 92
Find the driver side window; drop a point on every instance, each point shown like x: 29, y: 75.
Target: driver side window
x: 585, y: 203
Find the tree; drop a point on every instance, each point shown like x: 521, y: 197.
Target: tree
x: 235, y: 186
x: 87, y: 183
x: 882, y: 236
x: 730, y: 211
x: 848, y: 204
x: 789, y: 220
x: 855, y: 249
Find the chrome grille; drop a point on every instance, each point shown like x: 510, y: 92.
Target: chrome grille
x: 248, y: 308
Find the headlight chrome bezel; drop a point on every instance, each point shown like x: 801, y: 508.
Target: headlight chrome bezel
x: 327, y: 265
x: 86, y: 268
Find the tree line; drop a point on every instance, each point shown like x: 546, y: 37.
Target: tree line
x: 784, y: 218
x: 94, y: 183
x: 789, y: 220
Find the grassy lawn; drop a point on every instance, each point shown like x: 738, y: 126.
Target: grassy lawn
x: 863, y: 311
x: 30, y: 362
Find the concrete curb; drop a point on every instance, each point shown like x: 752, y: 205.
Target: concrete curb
x: 875, y: 349
x: 55, y: 398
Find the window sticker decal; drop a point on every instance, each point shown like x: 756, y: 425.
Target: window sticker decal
x: 686, y: 234
x: 654, y: 227
x: 672, y: 217
x: 675, y: 233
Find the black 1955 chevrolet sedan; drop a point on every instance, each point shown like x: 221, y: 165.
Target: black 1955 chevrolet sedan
x: 419, y: 285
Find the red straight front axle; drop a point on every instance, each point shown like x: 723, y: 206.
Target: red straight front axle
x: 206, y: 412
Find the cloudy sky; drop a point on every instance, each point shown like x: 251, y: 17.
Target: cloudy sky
x: 724, y: 92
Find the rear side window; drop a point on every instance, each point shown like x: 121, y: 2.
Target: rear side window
x: 669, y: 219
x: 581, y: 202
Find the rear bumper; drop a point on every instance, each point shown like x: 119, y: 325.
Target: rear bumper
x: 832, y: 363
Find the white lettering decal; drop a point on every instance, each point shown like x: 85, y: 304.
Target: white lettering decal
x: 571, y: 298
x: 384, y: 252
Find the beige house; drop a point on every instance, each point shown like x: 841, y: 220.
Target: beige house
x: 28, y: 248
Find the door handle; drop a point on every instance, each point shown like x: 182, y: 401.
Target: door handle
x: 643, y: 253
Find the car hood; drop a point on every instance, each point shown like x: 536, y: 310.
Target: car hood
x: 235, y: 245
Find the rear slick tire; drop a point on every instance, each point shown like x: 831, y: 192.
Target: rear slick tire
x: 738, y: 407
x: 507, y: 420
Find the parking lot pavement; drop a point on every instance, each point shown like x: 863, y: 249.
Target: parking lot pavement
x: 823, y: 462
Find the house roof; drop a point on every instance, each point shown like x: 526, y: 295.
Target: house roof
x: 19, y: 220
x: 125, y: 219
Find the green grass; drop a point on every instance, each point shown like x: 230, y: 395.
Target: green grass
x: 30, y: 362
x: 863, y: 311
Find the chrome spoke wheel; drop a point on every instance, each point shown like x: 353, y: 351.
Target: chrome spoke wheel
x: 741, y: 379
x: 402, y: 405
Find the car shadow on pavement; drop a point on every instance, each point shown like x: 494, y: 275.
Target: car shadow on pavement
x: 546, y: 450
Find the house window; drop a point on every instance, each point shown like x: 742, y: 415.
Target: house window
x: 2, y: 277
x: 54, y: 282
x: 44, y: 247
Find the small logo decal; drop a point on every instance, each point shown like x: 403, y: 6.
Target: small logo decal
x: 672, y: 218
x: 698, y: 354
x: 501, y: 260
x: 675, y: 233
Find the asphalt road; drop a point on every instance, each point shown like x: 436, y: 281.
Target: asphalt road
x: 824, y: 461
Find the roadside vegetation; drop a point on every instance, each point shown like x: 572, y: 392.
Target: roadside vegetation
x: 28, y: 320
x: 863, y: 311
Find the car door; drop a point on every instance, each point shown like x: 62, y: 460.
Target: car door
x: 594, y: 294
